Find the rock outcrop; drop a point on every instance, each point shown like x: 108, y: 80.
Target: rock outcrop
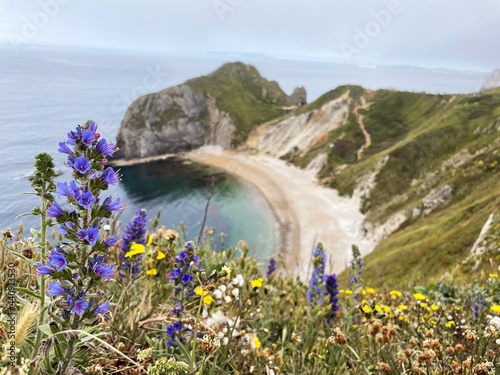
x: 218, y: 109
x: 298, y: 97
x: 493, y: 81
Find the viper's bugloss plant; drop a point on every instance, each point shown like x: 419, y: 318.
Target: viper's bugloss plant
x: 271, y: 267
x: 185, y: 268
x: 355, y: 280
x: 135, y: 233
x: 316, y: 292
x: 79, y: 268
x: 332, y: 293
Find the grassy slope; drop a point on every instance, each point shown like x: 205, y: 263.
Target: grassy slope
x: 418, y: 132
x: 238, y: 89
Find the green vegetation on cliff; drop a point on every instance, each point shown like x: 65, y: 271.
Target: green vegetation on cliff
x: 241, y: 91
x: 433, y: 159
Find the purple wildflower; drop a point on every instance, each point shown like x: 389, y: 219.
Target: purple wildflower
x: 82, y: 164
x: 109, y: 176
x: 86, y: 200
x: 57, y: 260
x: 55, y: 210
x: 64, y: 148
x: 103, y: 309
x: 55, y: 289
x: 111, y: 241
x: 105, y: 148
x: 43, y: 270
x: 80, y: 307
x: 88, y: 137
x: 104, y: 270
x: 92, y: 235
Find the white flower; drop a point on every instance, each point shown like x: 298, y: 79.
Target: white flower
x: 227, y: 299
x: 498, y: 341
x: 222, y: 288
x: 106, y: 227
x: 217, y: 294
x: 225, y: 340
x: 495, y: 322
x: 220, y: 335
x: 235, y: 292
x: 251, y: 369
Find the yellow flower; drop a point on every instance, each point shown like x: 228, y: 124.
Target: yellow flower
x: 256, y: 342
x: 200, y: 292
x: 151, y: 272
x: 370, y: 290
x: 348, y: 292
x: 386, y: 308
x: 135, y: 249
x: 395, y: 293
x: 493, y: 275
x: 496, y: 308
x: 207, y: 300
x: 160, y: 255
x: 256, y: 283
x: 378, y: 308
x: 403, y: 307
x: 227, y: 270
x: 341, y: 291
x: 419, y: 296
x: 450, y: 323
x: 150, y: 241
x: 435, y: 307
x: 367, y: 309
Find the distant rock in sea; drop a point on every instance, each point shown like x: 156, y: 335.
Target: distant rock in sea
x: 493, y: 81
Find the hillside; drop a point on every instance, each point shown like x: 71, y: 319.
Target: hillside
x: 424, y: 168
x: 427, y: 179
x: 220, y: 108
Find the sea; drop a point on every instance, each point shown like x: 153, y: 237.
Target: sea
x: 47, y: 91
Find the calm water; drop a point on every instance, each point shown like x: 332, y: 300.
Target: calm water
x: 44, y: 93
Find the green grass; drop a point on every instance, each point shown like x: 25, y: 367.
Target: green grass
x: 241, y: 91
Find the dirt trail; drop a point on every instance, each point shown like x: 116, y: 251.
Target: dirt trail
x: 360, y: 117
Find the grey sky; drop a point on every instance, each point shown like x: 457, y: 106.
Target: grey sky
x: 455, y: 34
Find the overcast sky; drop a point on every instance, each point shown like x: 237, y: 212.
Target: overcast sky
x: 455, y: 34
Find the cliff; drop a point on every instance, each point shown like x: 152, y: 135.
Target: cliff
x: 493, y: 81
x: 220, y: 108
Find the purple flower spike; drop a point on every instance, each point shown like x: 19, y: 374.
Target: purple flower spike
x: 74, y: 136
x: 64, y: 148
x: 55, y: 289
x: 57, y: 260
x: 86, y: 200
x: 186, y: 278
x: 92, y: 235
x: 42, y: 270
x: 55, y: 210
x: 103, y: 309
x: 73, y: 190
x: 62, y: 189
x: 80, y: 307
x: 82, y: 164
x: 88, y: 137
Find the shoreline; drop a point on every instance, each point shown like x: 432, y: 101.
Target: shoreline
x: 305, y: 212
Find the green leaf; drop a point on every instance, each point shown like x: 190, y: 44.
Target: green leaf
x: 27, y: 260
x: 45, y: 328
x: 29, y: 292
x: 27, y: 214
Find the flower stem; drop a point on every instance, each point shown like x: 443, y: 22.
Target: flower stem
x: 42, y: 278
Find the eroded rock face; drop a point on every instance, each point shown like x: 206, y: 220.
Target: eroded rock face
x: 493, y: 81
x: 298, y: 97
x: 174, y: 120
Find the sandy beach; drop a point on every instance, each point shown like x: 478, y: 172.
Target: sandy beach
x: 305, y: 212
